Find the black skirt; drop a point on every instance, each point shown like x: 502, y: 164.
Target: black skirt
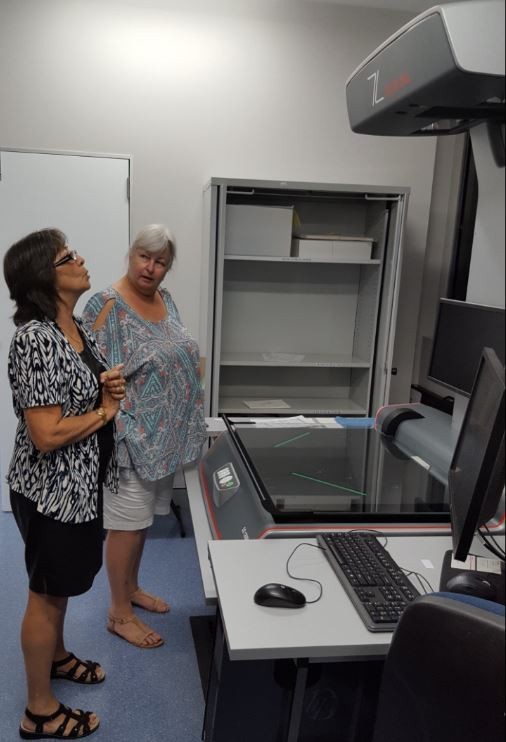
x: 61, y: 559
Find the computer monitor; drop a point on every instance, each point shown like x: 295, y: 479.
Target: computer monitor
x: 476, y: 477
x: 462, y: 331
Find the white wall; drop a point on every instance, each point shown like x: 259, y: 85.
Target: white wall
x: 486, y: 283
x: 240, y: 88
x: 438, y: 254
x: 486, y: 271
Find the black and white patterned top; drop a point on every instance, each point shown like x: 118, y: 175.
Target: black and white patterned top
x: 44, y: 369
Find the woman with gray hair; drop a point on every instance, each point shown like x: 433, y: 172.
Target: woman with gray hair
x: 161, y: 423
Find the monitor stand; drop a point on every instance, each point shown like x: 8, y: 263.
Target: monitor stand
x: 459, y: 410
x: 473, y: 582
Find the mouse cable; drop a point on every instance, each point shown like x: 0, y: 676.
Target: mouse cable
x: 367, y: 531
x: 493, y: 548
x: 491, y: 544
x: 424, y: 583
x: 305, y: 579
x: 421, y: 579
x: 492, y: 538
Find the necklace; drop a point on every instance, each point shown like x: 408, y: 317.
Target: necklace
x: 76, y: 342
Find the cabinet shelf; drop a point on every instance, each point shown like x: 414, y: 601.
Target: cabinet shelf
x: 281, y: 259
x: 293, y: 360
x: 297, y: 406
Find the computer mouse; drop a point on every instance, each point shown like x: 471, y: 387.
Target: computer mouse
x: 275, y: 595
x: 470, y: 584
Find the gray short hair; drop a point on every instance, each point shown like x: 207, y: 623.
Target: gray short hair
x: 155, y: 238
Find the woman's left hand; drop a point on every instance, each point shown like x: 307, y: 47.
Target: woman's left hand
x: 114, y: 382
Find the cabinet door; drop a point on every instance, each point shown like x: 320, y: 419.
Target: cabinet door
x: 86, y: 197
x: 213, y: 248
x: 306, y: 332
x: 387, y: 322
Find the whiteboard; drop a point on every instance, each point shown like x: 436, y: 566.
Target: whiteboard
x: 84, y: 196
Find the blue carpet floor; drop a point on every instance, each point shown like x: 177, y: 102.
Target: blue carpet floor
x: 149, y: 695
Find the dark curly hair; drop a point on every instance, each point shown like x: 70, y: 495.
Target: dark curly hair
x: 31, y: 276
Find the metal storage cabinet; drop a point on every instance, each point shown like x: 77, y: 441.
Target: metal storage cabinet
x: 283, y: 334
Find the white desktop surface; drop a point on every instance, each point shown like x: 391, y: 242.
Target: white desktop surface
x: 203, y: 532
x: 329, y: 629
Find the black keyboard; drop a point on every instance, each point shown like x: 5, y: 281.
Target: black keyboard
x: 375, y: 584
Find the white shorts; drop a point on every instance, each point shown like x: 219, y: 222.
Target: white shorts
x: 137, y: 501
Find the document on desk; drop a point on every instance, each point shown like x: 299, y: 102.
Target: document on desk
x: 266, y: 404
x: 475, y: 563
x: 283, y: 357
x: 297, y: 421
x: 215, y: 425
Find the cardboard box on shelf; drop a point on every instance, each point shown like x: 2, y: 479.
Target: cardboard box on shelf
x: 258, y: 230
x: 333, y: 247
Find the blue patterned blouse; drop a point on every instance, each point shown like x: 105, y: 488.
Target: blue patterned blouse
x: 161, y: 422
x: 44, y: 370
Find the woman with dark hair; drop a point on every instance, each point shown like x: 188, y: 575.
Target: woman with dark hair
x: 65, y: 400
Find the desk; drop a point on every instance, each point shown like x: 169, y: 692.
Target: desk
x: 201, y: 530
x: 266, y: 658
x: 329, y: 631
x: 203, y: 534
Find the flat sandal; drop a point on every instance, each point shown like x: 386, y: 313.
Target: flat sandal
x: 111, y: 626
x: 88, y: 677
x: 156, y: 601
x: 79, y: 730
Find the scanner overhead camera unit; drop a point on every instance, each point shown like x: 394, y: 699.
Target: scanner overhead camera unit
x: 441, y: 73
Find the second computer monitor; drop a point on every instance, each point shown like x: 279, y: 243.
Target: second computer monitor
x: 476, y: 478
x: 462, y: 331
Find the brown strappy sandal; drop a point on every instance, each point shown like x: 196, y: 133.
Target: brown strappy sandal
x: 89, y: 676
x: 142, y: 599
x: 141, y: 643
x: 81, y: 729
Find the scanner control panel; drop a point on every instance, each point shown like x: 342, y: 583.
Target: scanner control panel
x: 225, y: 484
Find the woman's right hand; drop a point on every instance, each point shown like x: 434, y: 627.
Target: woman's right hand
x: 114, y: 381
x: 109, y: 403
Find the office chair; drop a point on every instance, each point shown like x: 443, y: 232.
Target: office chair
x: 443, y: 679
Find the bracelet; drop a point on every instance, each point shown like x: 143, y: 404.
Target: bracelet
x: 102, y: 415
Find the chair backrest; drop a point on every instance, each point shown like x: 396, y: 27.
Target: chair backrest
x: 443, y: 679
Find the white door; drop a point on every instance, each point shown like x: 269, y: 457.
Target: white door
x: 87, y: 198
